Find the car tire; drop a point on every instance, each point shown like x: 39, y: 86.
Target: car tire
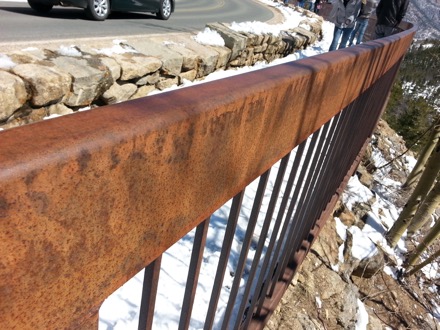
x: 98, y: 10
x: 165, y: 10
x: 40, y: 8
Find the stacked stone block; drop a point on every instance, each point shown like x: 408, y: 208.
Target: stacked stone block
x: 43, y: 82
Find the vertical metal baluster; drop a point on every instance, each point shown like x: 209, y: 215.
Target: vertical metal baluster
x: 302, y: 218
x: 315, y: 170
x: 245, y: 247
x: 149, y: 292
x: 193, y: 274
x: 328, y: 161
x: 223, y: 262
x: 288, y: 226
x: 262, y: 276
x: 260, y: 246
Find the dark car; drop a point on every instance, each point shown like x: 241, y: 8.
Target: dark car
x: 100, y: 9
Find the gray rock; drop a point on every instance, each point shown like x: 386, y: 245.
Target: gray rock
x: 165, y: 60
x: 208, y: 57
x: 59, y: 109
x: 370, y: 266
x: 235, y: 41
x: 167, y: 83
x: 171, y: 61
x: 118, y: 93
x: 135, y: 65
x: 338, y: 297
x: 224, y: 55
x: 311, y: 37
x: 29, y: 55
x: 47, y: 84
x: 304, y: 322
x: 150, y: 79
x: 142, y: 91
x: 190, y: 58
x: 90, y: 79
x: 25, y: 115
x: 188, y: 75
x: 13, y: 94
x: 113, y: 66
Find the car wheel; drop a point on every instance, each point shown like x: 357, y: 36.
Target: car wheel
x: 40, y: 8
x: 164, y: 10
x: 98, y: 10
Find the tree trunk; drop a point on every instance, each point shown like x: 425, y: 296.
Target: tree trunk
x: 426, y: 209
x: 433, y: 234
x: 423, y: 264
x: 423, y: 156
x: 422, y: 188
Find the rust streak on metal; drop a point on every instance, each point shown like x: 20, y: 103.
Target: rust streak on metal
x: 88, y: 200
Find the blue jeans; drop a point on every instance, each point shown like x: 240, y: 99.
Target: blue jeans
x: 301, y: 3
x: 345, y: 33
x: 309, y: 5
x: 359, y: 29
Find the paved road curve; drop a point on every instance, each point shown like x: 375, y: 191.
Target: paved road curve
x: 19, y: 23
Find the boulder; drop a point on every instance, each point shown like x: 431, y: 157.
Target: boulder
x: 235, y: 41
x: 190, y: 59
x: 167, y: 83
x: 142, y: 91
x: 370, y: 266
x: 59, y: 109
x: 136, y: 65
x: 13, y: 94
x: 208, y: 57
x: 48, y: 85
x: 171, y: 61
x: 90, y: 79
x: 113, y: 66
x: 118, y: 93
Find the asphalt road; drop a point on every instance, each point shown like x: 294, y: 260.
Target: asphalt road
x: 20, y: 24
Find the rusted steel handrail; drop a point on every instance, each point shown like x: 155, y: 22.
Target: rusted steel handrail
x: 88, y: 200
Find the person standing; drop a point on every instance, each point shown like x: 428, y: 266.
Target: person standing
x: 389, y: 15
x: 343, y: 15
x: 317, y: 6
x: 361, y: 25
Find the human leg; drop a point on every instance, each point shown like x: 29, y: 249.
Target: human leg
x: 353, y: 34
x: 363, y: 24
x: 336, y: 36
x: 378, y: 31
x: 316, y: 10
x: 346, y: 32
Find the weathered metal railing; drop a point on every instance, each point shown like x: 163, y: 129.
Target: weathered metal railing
x: 88, y: 200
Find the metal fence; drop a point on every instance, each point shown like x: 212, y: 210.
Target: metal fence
x: 88, y: 200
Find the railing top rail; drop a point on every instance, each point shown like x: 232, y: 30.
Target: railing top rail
x: 88, y: 200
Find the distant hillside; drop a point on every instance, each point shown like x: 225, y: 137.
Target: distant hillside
x: 414, y: 104
x: 426, y: 14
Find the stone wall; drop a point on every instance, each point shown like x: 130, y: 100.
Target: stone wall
x: 36, y: 83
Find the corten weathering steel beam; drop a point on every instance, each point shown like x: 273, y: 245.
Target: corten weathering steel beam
x: 88, y: 200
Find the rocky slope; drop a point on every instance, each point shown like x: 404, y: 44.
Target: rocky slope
x: 321, y: 297
x: 426, y: 14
